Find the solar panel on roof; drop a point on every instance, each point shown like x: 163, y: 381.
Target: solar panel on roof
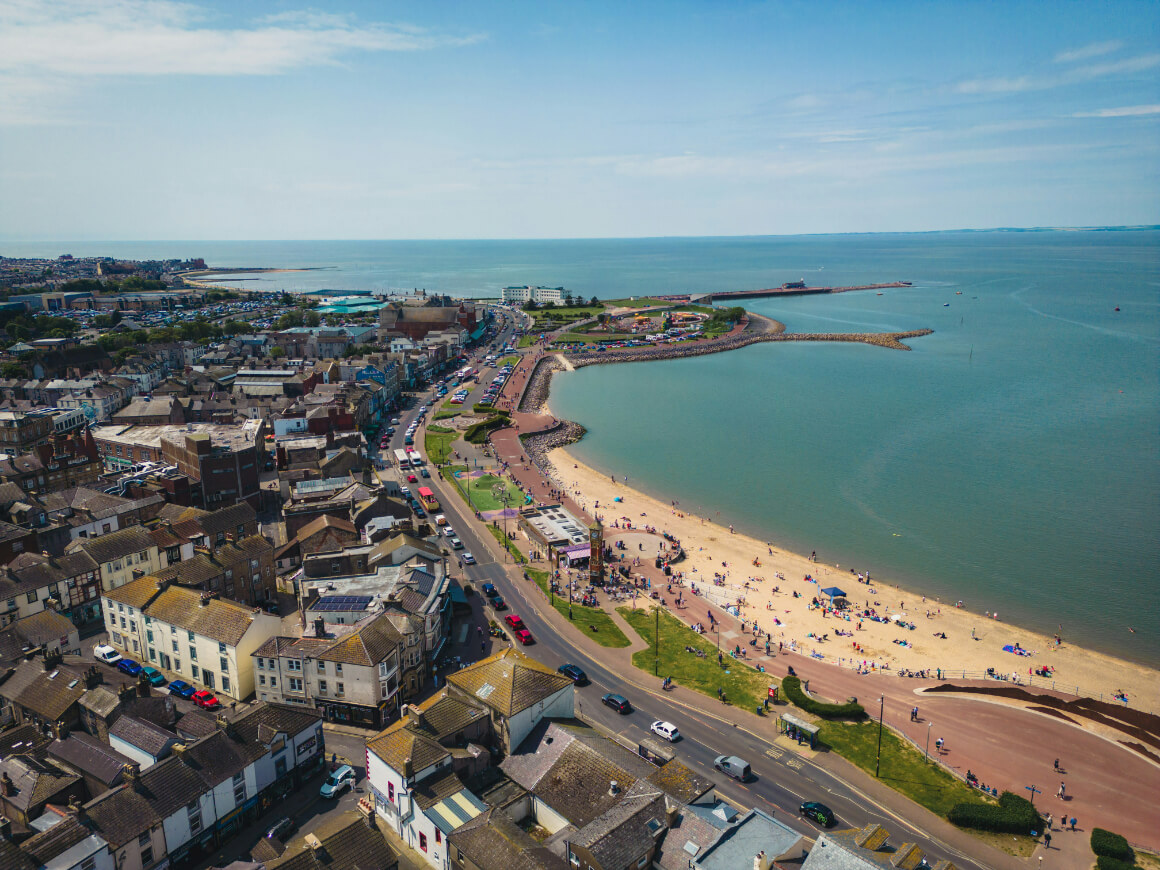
x: 342, y: 602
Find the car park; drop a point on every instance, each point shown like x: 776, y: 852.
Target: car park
x: 466, y: 558
x: 106, y: 654
x: 181, y: 689
x: 573, y: 673
x: 738, y: 768
x: 128, y: 666
x: 155, y: 677
x: 619, y: 703
x: 666, y: 730
x: 820, y: 813
x: 206, y: 700
x: 282, y: 830
x: 341, y: 779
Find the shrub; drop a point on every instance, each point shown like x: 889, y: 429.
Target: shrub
x: 1112, y: 845
x: 488, y: 408
x: 1107, y: 862
x: 477, y: 432
x: 792, y: 686
x: 1012, y: 815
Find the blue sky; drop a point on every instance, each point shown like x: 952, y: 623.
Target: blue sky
x: 127, y: 119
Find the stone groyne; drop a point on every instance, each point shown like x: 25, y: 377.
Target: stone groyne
x: 534, y: 399
x: 537, y: 445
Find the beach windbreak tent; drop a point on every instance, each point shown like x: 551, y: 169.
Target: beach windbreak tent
x: 834, y: 592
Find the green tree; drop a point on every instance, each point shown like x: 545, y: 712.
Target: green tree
x: 531, y: 305
x: 13, y: 370
x: 277, y: 352
x: 594, y: 302
x: 311, y: 318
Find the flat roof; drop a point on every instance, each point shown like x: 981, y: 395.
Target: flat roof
x: 556, y: 523
x: 221, y: 434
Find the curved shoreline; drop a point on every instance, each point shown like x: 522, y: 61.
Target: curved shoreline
x: 1085, y: 671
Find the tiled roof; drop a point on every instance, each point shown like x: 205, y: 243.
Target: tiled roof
x: 218, y: 619
x: 120, y: 815
x: 272, y: 718
x: 36, y: 781
x: 44, y: 627
x: 136, y: 593
x: 115, y: 545
x: 620, y: 836
x: 100, y: 701
x: 492, y: 839
x: 218, y: 756
x: 436, y: 788
x: 326, y: 521
x: 676, y: 779
x: 228, y: 519
x: 368, y: 646
x: 347, y: 844
x: 46, y: 693
x: 689, y: 835
x: 195, y: 724
x: 399, y: 745
x: 509, y: 681
x: 90, y: 756
x: 46, y: 845
x: 22, y: 739
x: 146, y: 736
x: 442, y: 717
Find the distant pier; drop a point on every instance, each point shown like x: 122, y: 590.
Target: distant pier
x: 791, y: 288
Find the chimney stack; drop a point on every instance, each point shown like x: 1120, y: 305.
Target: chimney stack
x: 367, y: 808
x: 5, y: 827
x: 320, y: 627
x: 613, y: 788
x: 314, y: 843
x: 7, y: 786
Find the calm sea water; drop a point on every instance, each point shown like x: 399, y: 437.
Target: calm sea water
x: 1011, y: 460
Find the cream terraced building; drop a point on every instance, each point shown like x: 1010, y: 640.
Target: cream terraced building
x: 206, y: 641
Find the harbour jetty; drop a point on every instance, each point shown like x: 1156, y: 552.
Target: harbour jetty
x: 790, y: 288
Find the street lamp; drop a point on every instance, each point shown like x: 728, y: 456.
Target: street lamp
x: 878, y: 759
x: 928, y: 724
x: 657, y: 644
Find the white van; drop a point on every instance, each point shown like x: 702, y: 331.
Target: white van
x: 106, y: 654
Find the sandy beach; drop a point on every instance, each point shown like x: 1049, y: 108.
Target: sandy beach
x: 974, y: 641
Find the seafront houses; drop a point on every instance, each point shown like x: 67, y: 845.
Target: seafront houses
x: 205, y: 640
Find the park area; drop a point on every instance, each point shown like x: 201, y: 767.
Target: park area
x: 484, y: 492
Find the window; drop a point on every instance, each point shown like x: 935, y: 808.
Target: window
x: 133, y: 625
x: 195, y: 672
x: 194, y: 813
x: 338, y: 688
x: 239, y: 789
x: 32, y: 597
x: 438, y: 837
x: 177, y: 664
x: 175, y: 649
x: 322, y: 686
x: 338, y: 668
x: 193, y: 653
x: 273, y: 682
x: 295, y: 684
x: 222, y: 647
x: 149, y: 634
x: 642, y: 861
x: 390, y: 791
x: 261, y: 663
x: 225, y: 683
x: 90, y: 863
x: 192, y: 637
x: 136, y: 646
x: 152, y: 654
x: 207, y: 678
x: 261, y: 679
x: 294, y: 665
x: 422, y: 841
x: 225, y: 665
x: 123, y: 623
x: 117, y: 639
x: 322, y: 667
x: 147, y: 855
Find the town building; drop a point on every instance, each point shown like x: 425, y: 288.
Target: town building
x: 21, y: 431
x: 539, y: 295
x: 205, y: 640
x: 121, y: 556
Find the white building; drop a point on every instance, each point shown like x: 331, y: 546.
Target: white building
x: 528, y: 293
x: 205, y: 641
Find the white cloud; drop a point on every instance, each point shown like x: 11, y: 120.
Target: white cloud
x: 1121, y: 112
x: 1127, y: 65
x: 68, y: 40
x: 1072, y: 76
x: 1095, y: 49
x: 998, y: 85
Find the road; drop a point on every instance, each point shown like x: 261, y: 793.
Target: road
x: 783, y: 778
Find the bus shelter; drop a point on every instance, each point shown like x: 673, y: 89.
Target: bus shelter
x: 798, y: 729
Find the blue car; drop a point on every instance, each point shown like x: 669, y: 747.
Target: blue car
x: 155, y: 676
x: 182, y: 689
x: 129, y: 667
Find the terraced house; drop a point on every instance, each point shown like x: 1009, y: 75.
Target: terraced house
x: 121, y: 556
x: 204, y: 640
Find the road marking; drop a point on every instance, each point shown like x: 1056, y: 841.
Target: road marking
x: 774, y: 753
x: 795, y: 764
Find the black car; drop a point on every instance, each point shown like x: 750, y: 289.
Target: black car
x: 496, y: 601
x: 574, y: 674
x: 282, y: 830
x: 820, y: 813
x: 619, y: 703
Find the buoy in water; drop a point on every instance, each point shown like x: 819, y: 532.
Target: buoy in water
x: 1117, y: 307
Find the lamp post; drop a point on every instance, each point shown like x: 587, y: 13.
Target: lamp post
x: 878, y: 759
x: 928, y: 724
x: 657, y: 644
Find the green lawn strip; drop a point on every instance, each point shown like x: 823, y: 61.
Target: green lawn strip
x: 607, y: 633
x: 744, y: 686
x: 438, y: 441
x: 509, y: 360
x: 528, y: 340
x: 641, y: 302
x: 447, y: 415
x: 510, y: 546
x: 902, y: 767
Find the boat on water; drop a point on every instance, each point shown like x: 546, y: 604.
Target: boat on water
x: 946, y: 305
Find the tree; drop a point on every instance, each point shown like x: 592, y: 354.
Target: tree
x: 311, y: 318
x: 594, y: 302
x: 531, y: 305
x: 277, y: 352
x: 286, y: 299
x: 13, y: 370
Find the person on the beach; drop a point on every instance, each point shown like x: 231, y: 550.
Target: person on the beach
x: 1062, y: 793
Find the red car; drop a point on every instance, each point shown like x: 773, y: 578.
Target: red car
x: 412, y: 479
x: 514, y: 621
x: 518, y: 628
x: 523, y: 635
x: 206, y: 700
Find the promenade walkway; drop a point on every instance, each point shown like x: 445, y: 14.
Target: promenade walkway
x: 1006, y: 746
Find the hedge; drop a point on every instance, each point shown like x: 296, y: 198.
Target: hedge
x: 488, y: 408
x: 1013, y: 815
x: 792, y: 686
x: 1104, y: 842
x: 1107, y: 862
x: 477, y: 432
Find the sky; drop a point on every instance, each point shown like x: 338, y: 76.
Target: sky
x: 153, y: 119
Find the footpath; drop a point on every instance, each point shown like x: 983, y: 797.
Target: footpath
x: 1009, y: 747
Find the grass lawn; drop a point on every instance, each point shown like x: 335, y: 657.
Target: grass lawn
x: 1020, y: 847
x: 509, y: 360
x: 527, y: 340
x: 438, y: 441
x: 606, y: 634
x: 482, y: 498
x: 744, y: 687
x: 517, y: 556
x: 447, y: 415
x: 640, y: 302
x: 903, y: 767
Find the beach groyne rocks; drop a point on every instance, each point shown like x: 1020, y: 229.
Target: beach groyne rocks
x: 537, y: 445
x: 535, y: 396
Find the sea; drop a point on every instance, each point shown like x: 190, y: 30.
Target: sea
x: 1010, y: 460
